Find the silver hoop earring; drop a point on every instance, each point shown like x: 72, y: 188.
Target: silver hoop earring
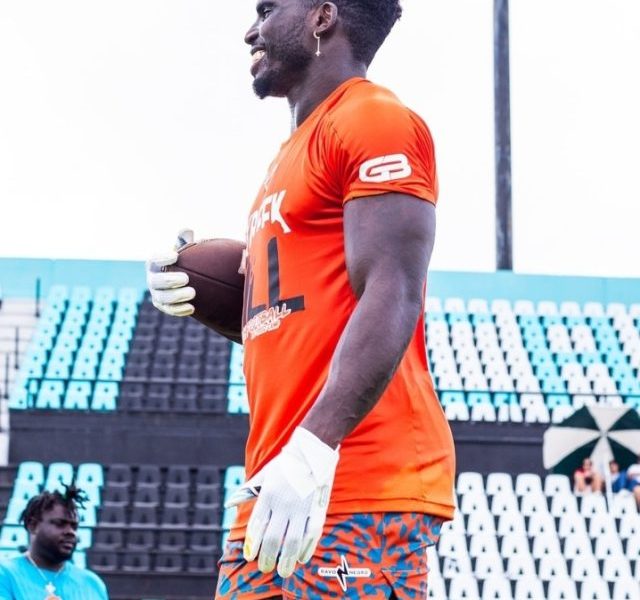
x: 315, y: 35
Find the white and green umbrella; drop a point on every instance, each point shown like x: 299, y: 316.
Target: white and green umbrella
x: 600, y: 432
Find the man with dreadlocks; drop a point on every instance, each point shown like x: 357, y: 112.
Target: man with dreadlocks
x: 44, y: 572
x: 349, y: 459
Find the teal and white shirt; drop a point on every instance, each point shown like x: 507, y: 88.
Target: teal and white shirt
x: 20, y: 580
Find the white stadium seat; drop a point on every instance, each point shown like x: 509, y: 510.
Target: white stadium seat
x: 436, y: 588
x: 616, y: 567
x: 555, y: 483
x: 520, y: 565
x: 552, y: 566
x: 626, y: 588
x: 594, y: 588
x: 488, y: 565
x: 534, y: 502
x: 527, y: 483
x: 562, y: 588
x: 469, y: 481
x: 546, y: 544
x: 577, y: 545
x: 593, y: 504
x: 583, y: 567
x: 482, y: 543
x: 463, y: 587
x: 514, y: 544
x: 496, y: 588
x: 499, y: 483
x: 528, y: 587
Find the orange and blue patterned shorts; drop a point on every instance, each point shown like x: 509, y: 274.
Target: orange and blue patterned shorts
x: 369, y: 555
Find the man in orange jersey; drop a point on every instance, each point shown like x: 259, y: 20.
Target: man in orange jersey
x: 349, y: 459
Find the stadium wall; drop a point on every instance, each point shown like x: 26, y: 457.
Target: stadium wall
x: 18, y: 277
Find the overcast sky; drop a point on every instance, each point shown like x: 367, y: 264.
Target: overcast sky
x: 123, y: 121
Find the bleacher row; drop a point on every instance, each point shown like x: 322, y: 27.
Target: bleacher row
x: 139, y: 518
x: 503, y: 361
x: 78, y: 351
x: 531, y: 538
x: 512, y: 538
x: 30, y: 480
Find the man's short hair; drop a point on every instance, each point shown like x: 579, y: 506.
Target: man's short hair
x: 71, y: 499
x: 367, y: 23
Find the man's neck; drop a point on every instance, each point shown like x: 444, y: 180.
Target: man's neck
x: 42, y: 562
x: 304, y: 98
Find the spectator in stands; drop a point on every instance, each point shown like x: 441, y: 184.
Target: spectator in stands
x: 44, y: 571
x: 633, y: 479
x: 348, y: 443
x: 620, y: 480
x: 586, y: 478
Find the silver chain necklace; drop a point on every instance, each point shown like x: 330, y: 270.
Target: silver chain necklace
x: 49, y: 588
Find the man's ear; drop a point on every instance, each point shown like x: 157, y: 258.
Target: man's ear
x: 326, y: 18
x: 32, y: 525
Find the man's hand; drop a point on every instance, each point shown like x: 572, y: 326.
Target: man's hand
x: 293, y: 493
x: 170, y: 291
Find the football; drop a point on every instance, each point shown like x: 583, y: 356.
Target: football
x: 213, y: 268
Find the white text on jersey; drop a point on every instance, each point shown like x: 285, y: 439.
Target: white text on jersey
x: 268, y: 212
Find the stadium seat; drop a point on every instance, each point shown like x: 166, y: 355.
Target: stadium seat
x: 14, y: 536
x: 561, y: 588
x: 615, y: 568
x: 496, y: 587
x: 89, y: 474
x: 556, y: 483
x: 514, y: 544
x: 583, y: 566
x: 520, y: 565
x: 31, y: 471
x: 463, y: 587
x: 436, y: 587
x: 625, y: 588
x: 469, y: 481
x: 551, y: 566
x: 545, y: 544
x: 528, y: 587
x: 594, y: 588
x: 540, y: 523
x: 59, y: 473
x: 499, y: 483
x: 482, y: 543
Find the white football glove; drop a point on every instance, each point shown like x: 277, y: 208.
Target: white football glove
x: 293, y: 493
x: 170, y: 291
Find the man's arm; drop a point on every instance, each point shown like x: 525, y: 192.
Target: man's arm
x: 388, y: 244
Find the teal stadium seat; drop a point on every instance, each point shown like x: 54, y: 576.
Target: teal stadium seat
x: 105, y: 396
x: 237, y: 399
x: 564, y: 358
x: 90, y: 474
x: 589, y: 358
x: 79, y: 559
x: 77, y: 395
x: 23, y: 490
x: 505, y: 399
x: 87, y: 515
x: 452, y: 397
x: 548, y: 320
x: 31, y: 471
x: 234, y: 477
x: 14, y: 511
x: 58, y: 473
x: 14, y: 536
x: 50, y: 395
x: 478, y: 397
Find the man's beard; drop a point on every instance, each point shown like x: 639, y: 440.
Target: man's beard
x: 289, y: 59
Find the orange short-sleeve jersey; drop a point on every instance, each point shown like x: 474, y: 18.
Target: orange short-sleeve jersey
x: 360, y: 141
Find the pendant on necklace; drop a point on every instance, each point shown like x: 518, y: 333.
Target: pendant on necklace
x: 51, y: 592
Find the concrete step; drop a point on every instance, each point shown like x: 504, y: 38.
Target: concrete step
x: 19, y: 306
